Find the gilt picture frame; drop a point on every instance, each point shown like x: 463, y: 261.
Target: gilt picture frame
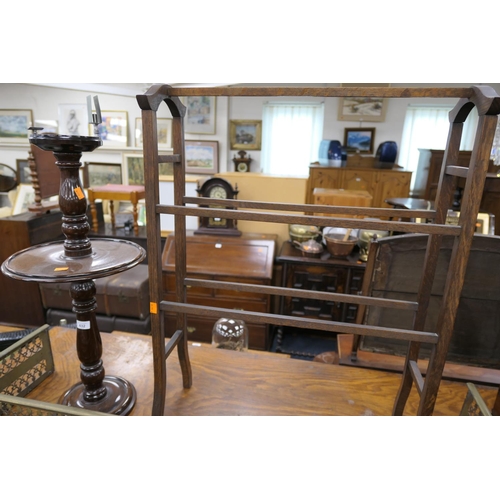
x: 245, y: 134
x: 362, y: 109
x: 14, y: 124
x: 359, y: 140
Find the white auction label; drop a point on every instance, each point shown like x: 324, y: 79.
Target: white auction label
x: 83, y: 325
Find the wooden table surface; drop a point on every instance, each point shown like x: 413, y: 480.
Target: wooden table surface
x: 243, y: 383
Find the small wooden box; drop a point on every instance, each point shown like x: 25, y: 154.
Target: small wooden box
x: 341, y: 198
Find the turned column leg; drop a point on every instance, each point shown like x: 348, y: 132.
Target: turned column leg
x: 96, y: 391
x: 88, y: 340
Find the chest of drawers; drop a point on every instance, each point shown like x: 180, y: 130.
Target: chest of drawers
x: 245, y: 259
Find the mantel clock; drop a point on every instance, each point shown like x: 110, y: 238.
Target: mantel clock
x: 219, y: 188
x: 242, y: 164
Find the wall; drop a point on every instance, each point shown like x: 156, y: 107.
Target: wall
x: 390, y: 129
x: 270, y: 188
x: 44, y: 101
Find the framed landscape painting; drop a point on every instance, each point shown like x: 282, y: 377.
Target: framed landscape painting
x: 133, y: 169
x: 14, y: 124
x: 245, y: 134
x: 200, y: 115
x: 202, y: 157
x: 364, y: 109
x: 99, y: 174
x: 359, y: 140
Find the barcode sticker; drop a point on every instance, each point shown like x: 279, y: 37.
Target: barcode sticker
x: 83, y: 325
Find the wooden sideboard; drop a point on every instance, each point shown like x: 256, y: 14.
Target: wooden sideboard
x: 381, y: 183
x: 246, y: 259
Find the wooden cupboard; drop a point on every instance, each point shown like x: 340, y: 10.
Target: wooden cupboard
x: 380, y: 183
x: 20, y: 301
x: 430, y: 163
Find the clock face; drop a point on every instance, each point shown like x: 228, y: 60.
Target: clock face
x: 216, y: 221
x: 217, y: 192
x: 242, y: 167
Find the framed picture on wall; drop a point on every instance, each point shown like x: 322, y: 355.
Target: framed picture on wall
x: 99, y: 174
x: 200, y: 114
x: 245, y: 134
x: 365, y: 109
x: 14, y: 124
x: 23, y: 172
x: 133, y: 169
x: 25, y: 197
x: 359, y: 140
x: 164, y: 128
x: 48, y: 126
x: 73, y: 119
x: 202, y: 157
x: 114, y: 128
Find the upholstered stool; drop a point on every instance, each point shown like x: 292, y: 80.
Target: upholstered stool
x: 115, y: 192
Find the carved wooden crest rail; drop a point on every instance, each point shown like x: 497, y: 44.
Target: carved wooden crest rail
x: 487, y: 102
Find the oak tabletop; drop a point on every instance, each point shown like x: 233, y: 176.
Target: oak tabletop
x: 242, y: 383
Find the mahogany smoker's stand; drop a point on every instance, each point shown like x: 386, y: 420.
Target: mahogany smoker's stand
x: 79, y: 261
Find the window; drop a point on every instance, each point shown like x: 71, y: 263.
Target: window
x: 427, y: 127
x: 291, y: 135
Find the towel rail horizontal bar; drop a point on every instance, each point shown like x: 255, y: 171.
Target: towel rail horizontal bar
x: 169, y: 158
x: 389, y: 92
x: 306, y: 294
x: 331, y: 209
x: 305, y: 323
x: 404, y: 227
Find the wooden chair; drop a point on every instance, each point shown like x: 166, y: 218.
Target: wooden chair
x: 487, y: 102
